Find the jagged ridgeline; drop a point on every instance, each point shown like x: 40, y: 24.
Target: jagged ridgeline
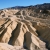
x: 25, y: 28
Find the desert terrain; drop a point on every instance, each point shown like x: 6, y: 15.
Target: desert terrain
x: 25, y: 28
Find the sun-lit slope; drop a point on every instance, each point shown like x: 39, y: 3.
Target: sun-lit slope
x: 23, y: 27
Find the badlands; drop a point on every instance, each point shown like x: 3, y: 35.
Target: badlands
x: 24, y: 29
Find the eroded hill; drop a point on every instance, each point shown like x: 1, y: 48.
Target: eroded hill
x: 24, y: 29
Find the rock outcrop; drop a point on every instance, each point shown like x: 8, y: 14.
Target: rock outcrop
x: 21, y: 31
x: 5, y: 46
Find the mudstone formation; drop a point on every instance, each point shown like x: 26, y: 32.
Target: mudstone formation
x: 20, y: 30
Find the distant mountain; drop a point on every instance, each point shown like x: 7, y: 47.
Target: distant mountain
x: 43, y: 6
x: 39, y: 6
x: 17, y: 7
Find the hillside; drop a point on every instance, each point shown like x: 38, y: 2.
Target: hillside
x: 25, y: 28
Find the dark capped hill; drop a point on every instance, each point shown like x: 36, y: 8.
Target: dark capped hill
x: 43, y: 6
x: 39, y: 6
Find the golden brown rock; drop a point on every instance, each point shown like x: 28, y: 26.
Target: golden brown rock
x: 23, y: 30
